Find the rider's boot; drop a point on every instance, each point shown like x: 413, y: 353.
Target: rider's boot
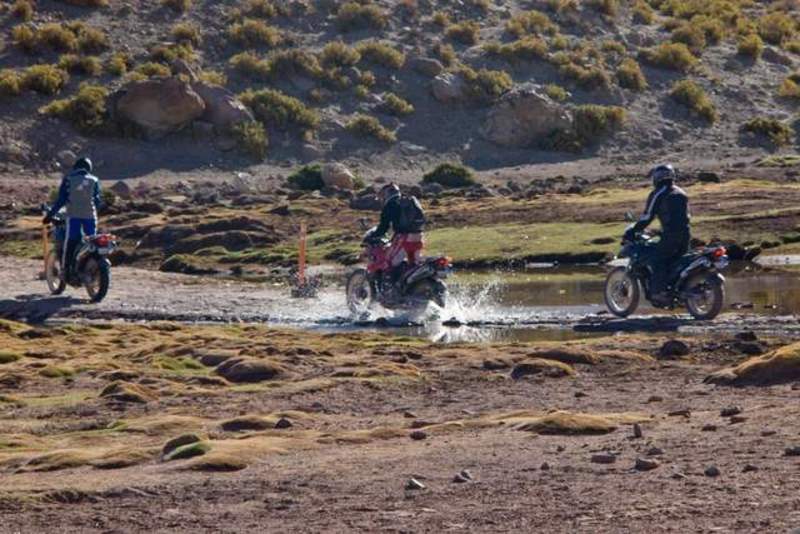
x: 69, y: 260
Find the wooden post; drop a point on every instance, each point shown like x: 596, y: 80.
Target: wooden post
x: 301, y: 257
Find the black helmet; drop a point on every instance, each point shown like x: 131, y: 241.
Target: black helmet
x: 661, y: 174
x: 83, y: 164
x: 388, y: 192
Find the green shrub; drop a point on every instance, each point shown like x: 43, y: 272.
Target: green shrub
x: 676, y: 56
x: 691, y: 95
x: 790, y: 88
x: 180, y: 6
x: 446, y: 54
x: 485, y: 86
x: 643, y: 13
x: 525, y: 49
x: 779, y: 134
x: 25, y: 38
x: 367, y: 126
x: 45, y: 79
x: 306, y: 178
x: 792, y: 46
x: 530, y: 22
x: 11, y: 83
x: 260, y: 8
x: 440, y: 18
x: 630, y: 76
x: 86, y: 65
x: 169, y: 53
x: 213, y: 77
x: 92, y: 40
x: 254, y: 33
x: 152, y: 69
x: 355, y: 16
x: 712, y: 28
x: 279, y: 110
x: 556, y: 92
x: 593, y: 121
x: 590, y: 78
x: 381, y: 53
x: 607, y: 7
x: 248, y: 64
x: 252, y: 139
x: 776, y: 27
x: 22, y: 9
x: 466, y: 32
x: 751, y: 45
x: 613, y: 47
x: 86, y: 110
x: 118, y: 64
x: 339, y: 54
x: 690, y: 35
x: 187, y: 32
x: 395, y: 105
x: 450, y: 176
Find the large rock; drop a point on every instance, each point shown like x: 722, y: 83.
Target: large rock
x: 427, y: 65
x: 248, y: 370
x: 524, y: 117
x: 159, y: 106
x: 449, y: 87
x: 337, y: 175
x: 222, y: 108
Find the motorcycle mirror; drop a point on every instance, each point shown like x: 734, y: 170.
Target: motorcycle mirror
x: 628, y: 216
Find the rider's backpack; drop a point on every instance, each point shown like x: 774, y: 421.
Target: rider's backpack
x: 412, y: 218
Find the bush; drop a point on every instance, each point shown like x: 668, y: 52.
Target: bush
x: 525, y: 49
x: 614, y: 47
x: 593, y: 121
x: 92, y: 40
x: 690, y: 35
x: 118, y: 64
x: 779, y: 134
x: 277, y: 109
x: 306, y: 178
x: 381, y: 53
x: 450, y: 175
x: 22, y: 9
x: 484, y: 85
x: 253, y: 33
x: 589, y: 78
x: 10, y: 83
x: 556, y: 92
x: 776, y: 27
x: 395, y: 105
x: 86, y: 110
x: 339, y: 54
x: 676, y: 56
x: 446, y: 54
x: 691, y: 95
x: 25, y: 38
x: 152, y: 69
x: 792, y: 46
x: 295, y: 61
x: 440, y: 18
x: 607, y: 7
x: 251, y: 66
x: 169, y: 53
x: 45, y: 79
x: 790, y: 88
x: 366, y: 126
x: 260, y: 8
x: 86, y: 65
x: 252, y: 139
x: 355, y: 16
x: 530, y: 22
x: 186, y: 32
x: 361, y: 91
x: 751, y: 45
x: 643, y: 13
x: 180, y: 6
x: 630, y: 76
x: 213, y: 77
x: 466, y: 32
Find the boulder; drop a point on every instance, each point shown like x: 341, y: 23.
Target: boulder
x: 159, y: 106
x: 427, y: 66
x: 248, y: 370
x: 182, y: 67
x: 121, y: 189
x: 449, y: 87
x: 222, y: 108
x: 524, y: 117
x: 369, y: 202
x: 337, y: 175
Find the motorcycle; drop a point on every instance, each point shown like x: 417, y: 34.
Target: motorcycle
x: 91, y: 266
x: 694, y: 281
x: 416, y: 287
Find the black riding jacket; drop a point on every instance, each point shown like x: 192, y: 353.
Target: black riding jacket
x: 391, y: 218
x: 671, y: 205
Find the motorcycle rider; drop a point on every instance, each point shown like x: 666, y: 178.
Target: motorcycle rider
x: 80, y: 193
x: 671, y: 205
x: 404, y: 214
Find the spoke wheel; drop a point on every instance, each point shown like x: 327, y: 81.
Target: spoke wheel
x: 359, y: 292
x: 706, y: 296
x: 622, y: 292
x: 96, y: 278
x: 53, y: 274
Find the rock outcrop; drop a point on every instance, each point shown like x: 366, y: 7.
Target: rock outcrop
x: 525, y: 117
x: 158, y: 106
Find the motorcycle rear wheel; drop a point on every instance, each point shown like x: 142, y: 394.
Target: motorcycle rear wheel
x: 52, y: 274
x: 706, y: 297
x: 622, y: 292
x: 96, y: 278
x: 358, y: 291
x: 429, y: 290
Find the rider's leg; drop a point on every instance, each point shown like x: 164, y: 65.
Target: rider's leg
x: 73, y: 240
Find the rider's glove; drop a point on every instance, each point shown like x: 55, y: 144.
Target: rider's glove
x: 630, y: 234
x: 47, y: 219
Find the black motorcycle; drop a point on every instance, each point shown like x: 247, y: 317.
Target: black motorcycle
x: 91, y: 268
x: 694, y: 280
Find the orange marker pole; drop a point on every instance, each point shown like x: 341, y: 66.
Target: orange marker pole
x: 301, y: 257
x: 45, y: 246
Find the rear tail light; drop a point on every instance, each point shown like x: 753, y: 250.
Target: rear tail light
x: 719, y: 252
x: 443, y: 263
x: 102, y: 240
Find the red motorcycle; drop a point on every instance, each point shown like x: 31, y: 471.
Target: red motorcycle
x: 416, y: 286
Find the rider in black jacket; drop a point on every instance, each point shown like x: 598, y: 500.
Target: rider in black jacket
x: 671, y: 205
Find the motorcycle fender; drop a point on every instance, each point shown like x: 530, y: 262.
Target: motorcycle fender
x: 413, y: 277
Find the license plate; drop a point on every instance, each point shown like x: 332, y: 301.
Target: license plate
x: 104, y: 251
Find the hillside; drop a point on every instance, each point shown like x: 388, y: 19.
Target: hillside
x: 676, y: 78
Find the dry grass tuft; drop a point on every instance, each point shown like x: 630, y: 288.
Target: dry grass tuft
x: 691, y: 95
x: 779, y: 366
x: 569, y: 423
x: 367, y: 126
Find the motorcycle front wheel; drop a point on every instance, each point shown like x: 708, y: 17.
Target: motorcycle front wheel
x: 706, y: 296
x: 621, y: 292
x: 52, y: 274
x: 358, y: 291
x: 96, y: 278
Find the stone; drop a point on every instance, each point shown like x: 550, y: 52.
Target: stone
x: 712, y: 471
x: 369, y: 202
x: 673, y: 349
x: 463, y: 477
x: 126, y: 392
x: 643, y: 464
x: 418, y: 435
x: 448, y: 88
x: 747, y: 336
x: 545, y: 467
x: 637, y: 431
x: 730, y: 411
x: 159, y: 105
x: 604, y: 458
x: 121, y: 189
x: 774, y: 56
x: 248, y: 370
x: 182, y: 67
x: 283, y: 423
x: 180, y: 441
x: 66, y: 158
x: 312, y: 152
x: 337, y: 175
x: 222, y: 108
x: 524, y: 117
x: 709, y: 177
x: 749, y: 468
x: 709, y: 428
x: 749, y: 348
x: 792, y: 451
x: 414, y: 485
x: 282, y: 210
x: 428, y: 66
x: 655, y: 451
